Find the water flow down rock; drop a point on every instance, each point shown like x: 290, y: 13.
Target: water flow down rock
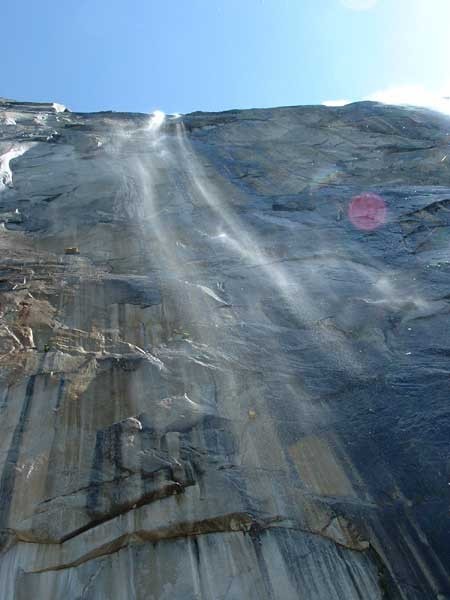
x: 224, y: 354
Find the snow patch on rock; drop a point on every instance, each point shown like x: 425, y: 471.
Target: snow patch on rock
x: 5, y: 159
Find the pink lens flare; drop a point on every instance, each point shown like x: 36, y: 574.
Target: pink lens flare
x: 367, y: 211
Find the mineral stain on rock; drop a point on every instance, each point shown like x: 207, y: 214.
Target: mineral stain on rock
x: 7, y: 481
x: 224, y: 354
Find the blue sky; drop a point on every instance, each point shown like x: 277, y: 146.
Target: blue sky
x: 185, y: 55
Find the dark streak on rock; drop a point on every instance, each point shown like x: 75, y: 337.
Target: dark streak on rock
x: 255, y: 535
x: 60, y: 394
x: 8, y: 477
x: 93, y: 493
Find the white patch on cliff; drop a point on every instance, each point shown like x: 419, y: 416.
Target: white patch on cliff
x: 336, y: 102
x: 59, y: 107
x: 5, y: 159
x: 8, y: 118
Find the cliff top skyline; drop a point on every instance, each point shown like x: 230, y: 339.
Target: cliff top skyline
x: 217, y: 55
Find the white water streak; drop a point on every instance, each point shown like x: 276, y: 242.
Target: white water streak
x: 246, y: 245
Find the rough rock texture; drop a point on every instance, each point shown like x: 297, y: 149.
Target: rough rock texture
x: 230, y: 392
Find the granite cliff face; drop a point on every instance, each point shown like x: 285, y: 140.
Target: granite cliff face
x: 232, y: 391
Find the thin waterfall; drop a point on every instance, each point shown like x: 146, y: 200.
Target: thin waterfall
x: 237, y: 236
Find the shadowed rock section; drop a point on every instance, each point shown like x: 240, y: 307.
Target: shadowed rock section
x: 213, y: 383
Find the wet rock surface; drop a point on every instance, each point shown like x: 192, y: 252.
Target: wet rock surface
x: 236, y: 389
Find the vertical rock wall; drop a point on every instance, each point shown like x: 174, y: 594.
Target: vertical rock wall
x: 214, y: 384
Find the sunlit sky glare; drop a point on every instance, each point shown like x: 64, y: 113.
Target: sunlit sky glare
x: 186, y: 55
